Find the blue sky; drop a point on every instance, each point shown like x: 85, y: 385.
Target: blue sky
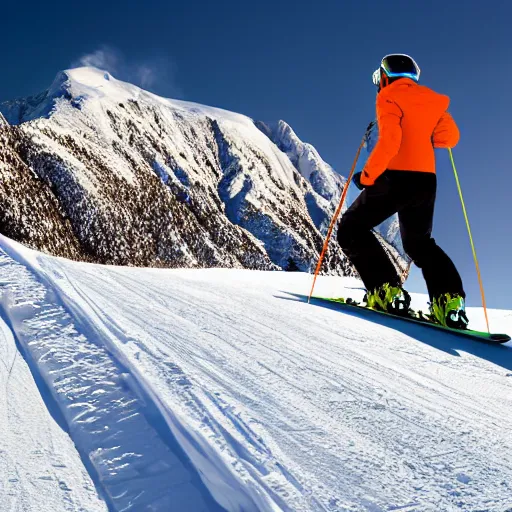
x: 309, y: 64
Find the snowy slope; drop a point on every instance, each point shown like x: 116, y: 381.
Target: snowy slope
x: 29, y: 211
x: 305, y: 158
x: 148, y: 181
x: 40, y: 468
x: 229, y: 385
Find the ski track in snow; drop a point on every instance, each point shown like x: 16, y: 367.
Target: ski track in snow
x: 278, y: 404
x: 110, y: 423
x: 39, y: 466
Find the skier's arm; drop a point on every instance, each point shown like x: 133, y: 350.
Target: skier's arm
x: 389, y: 118
x: 446, y: 133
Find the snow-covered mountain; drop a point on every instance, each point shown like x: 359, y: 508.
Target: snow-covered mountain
x: 29, y: 211
x: 118, y: 175
x: 235, y: 394
x: 305, y: 158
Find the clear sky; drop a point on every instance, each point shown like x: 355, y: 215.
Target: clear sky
x: 309, y: 63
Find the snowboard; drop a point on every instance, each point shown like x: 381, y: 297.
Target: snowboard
x: 485, y: 337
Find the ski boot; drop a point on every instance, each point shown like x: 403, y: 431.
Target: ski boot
x: 389, y: 299
x: 450, y: 311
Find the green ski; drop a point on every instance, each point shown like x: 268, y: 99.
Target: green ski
x: 475, y: 335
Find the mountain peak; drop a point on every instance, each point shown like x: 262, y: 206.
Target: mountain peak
x: 88, y: 75
x: 74, y: 85
x: 94, y: 82
x: 90, y: 82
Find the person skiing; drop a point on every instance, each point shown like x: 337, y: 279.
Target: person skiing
x: 400, y: 177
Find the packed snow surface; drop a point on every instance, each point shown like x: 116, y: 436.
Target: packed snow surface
x: 194, y: 390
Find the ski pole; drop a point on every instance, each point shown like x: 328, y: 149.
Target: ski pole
x: 335, y: 216
x: 470, y: 240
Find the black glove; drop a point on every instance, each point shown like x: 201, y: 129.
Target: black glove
x: 369, y: 131
x: 369, y: 128
x: 357, y: 181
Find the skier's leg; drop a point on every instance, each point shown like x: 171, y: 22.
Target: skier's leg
x: 373, y: 206
x: 416, y: 219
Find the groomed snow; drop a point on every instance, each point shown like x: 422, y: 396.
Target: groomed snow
x: 250, y: 398
x: 40, y: 468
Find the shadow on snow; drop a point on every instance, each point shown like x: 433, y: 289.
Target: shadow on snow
x: 447, y: 342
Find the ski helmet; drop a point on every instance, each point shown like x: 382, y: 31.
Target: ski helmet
x: 397, y: 65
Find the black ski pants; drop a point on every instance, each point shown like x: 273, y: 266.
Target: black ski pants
x: 412, y: 195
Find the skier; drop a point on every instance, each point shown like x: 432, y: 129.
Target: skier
x: 399, y: 177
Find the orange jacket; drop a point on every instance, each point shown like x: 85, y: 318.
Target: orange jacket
x: 412, y: 121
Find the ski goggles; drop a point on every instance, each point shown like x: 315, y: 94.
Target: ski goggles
x: 397, y: 65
